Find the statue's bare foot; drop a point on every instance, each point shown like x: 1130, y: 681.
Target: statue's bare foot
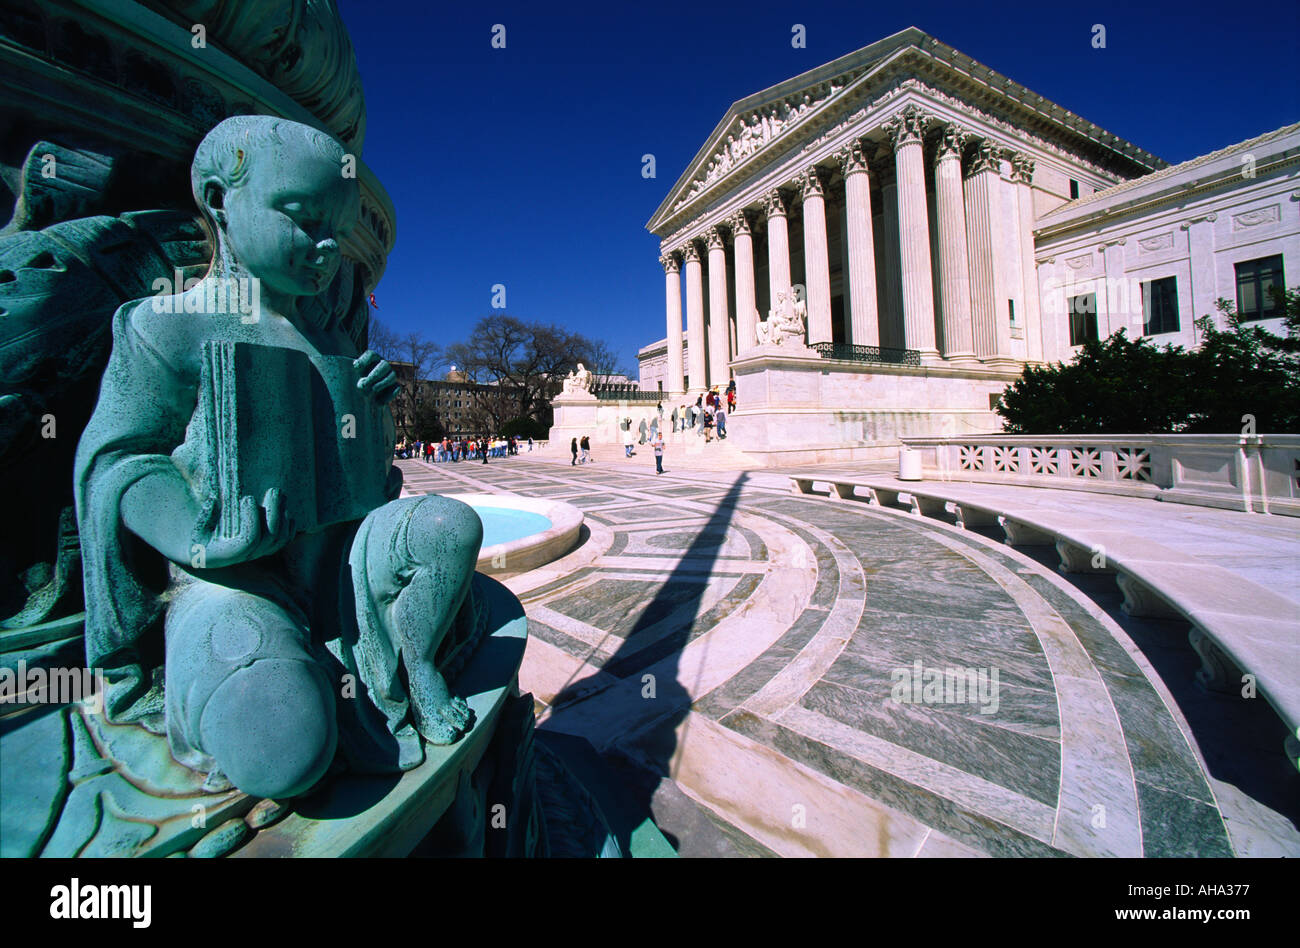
x: 439, y: 716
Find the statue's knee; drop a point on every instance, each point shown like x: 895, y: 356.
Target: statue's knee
x: 243, y: 690
x: 424, y: 531
x: 271, y: 728
x: 446, y: 528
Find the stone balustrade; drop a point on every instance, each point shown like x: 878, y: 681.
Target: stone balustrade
x: 1259, y: 473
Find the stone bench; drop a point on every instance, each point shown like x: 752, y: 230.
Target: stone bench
x: 1238, y: 627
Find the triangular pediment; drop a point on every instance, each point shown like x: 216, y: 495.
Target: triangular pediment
x: 774, y: 120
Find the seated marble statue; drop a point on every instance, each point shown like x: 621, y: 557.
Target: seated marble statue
x: 785, y: 322
x: 579, y: 380
x: 253, y: 584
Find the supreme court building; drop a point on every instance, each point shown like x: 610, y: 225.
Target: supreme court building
x: 939, y: 224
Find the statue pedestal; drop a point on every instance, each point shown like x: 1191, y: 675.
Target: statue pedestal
x: 575, y: 416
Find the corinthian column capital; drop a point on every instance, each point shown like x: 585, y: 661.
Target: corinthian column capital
x: 774, y: 203
x: 739, y: 224
x: 713, y: 238
x: 690, y: 252
x: 811, y: 184
x: 952, y: 140
x: 1022, y: 168
x: 907, y: 126
x: 670, y: 263
x: 853, y: 158
x: 987, y: 157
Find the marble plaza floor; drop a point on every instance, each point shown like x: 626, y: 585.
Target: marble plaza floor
x: 730, y: 652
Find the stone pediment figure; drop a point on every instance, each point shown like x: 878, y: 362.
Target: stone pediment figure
x: 269, y: 560
x: 785, y: 322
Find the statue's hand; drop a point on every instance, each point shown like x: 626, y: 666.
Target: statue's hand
x: 376, y: 377
x: 256, y: 536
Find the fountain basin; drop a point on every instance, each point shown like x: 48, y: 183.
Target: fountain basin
x: 522, y: 533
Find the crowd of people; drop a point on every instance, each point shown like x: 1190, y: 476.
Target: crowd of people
x: 709, y: 413
x: 708, y: 416
x: 459, y: 449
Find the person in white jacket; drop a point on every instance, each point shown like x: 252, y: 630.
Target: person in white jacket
x: 627, y: 438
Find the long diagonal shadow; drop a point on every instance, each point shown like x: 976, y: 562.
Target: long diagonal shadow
x: 679, y: 597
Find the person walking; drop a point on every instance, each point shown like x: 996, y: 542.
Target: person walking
x: 573, y: 449
x: 627, y: 438
x: 585, y: 444
x: 721, y: 416
x: 658, y: 445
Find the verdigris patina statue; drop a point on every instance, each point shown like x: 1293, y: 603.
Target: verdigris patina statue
x: 252, y: 580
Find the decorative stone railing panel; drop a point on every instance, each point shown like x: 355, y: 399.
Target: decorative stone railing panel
x: 1259, y: 473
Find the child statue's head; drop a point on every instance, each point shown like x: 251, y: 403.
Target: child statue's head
x: 279, y: 196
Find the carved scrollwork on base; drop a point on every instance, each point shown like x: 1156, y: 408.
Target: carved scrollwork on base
x: 1217, y: 673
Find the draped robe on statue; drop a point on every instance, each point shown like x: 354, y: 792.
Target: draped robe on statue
x: 208, y: 397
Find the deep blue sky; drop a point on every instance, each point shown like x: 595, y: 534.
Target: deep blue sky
x: 522, y: 165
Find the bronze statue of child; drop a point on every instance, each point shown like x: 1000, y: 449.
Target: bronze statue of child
x: 235, y: 492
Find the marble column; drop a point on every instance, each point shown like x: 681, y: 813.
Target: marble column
x: 695, y: 346
x: 817, y: 268
x: 673, y: 381
x: 1022, y: 176
x: 719, y: 318
x: 888, y: 281
x: 905, y: 131
x: 954, y: 266
x: 778, y: 246
x: 991, y: 333
x: 746, y: 307
x: 864, y: 329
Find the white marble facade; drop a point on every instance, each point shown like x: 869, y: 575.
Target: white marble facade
x: 1201, y: 226
x: 898, y: 189
x: 921, y: 201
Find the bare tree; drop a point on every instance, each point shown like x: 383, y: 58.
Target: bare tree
x: 415, y: 360
x: 602, y: 360
x: 521, y: 365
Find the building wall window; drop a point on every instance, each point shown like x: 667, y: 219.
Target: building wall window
x: 1255, y: 281
x: 1160, y: 306
x: 1083, y: 318
x: 1074, y: 189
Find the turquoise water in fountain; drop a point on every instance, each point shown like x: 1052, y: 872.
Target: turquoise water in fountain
x: 501, y: 524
